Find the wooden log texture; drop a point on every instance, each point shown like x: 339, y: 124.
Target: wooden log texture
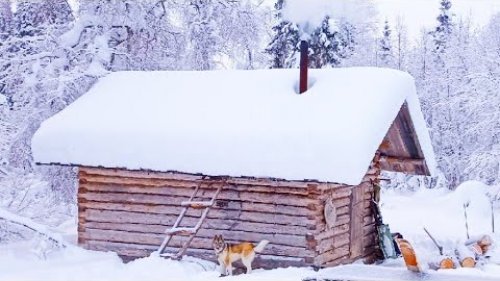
x: 128, y: 212
x: 130, y: 251
x: 354, y: 234
x: 165, y: 178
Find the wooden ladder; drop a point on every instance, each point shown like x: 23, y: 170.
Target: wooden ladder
x: 190, y: 231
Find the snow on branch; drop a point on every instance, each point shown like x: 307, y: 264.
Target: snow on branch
x: 33, y: 226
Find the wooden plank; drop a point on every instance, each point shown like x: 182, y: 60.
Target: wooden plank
x: 341, y: 192
x: 178, y: 241
x: 343, y: 228
x: 341, y: 219
x: 160, y: 195
x: 356, y: 228
x: 173, y: 208
x: 211, y: 223
x: 332, y: 243
x: 150, y: 182
x: 401, y: 141
x: 216, y: 215
x: 339, y: 261
x: 403, y: 165
x: 331, y: 255
x: 234, y: 235
x: 193, y: 177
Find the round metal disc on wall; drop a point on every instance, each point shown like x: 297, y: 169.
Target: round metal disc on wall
x: 330, y: 213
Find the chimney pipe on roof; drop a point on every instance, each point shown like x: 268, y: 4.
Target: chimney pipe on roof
x: 304, y: 61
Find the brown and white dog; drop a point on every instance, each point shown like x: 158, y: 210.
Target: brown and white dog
x: 228, y: 253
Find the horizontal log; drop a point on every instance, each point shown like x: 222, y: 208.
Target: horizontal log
x: 341, y: 219
x: 191, y: 220
x: 257, y: 224
x: 331, y: 255
x: 340, y: 229
x: 160, y: 195
x: 174, y: 209
x: 136, y: 251
x: 233, y: 235
x: 342, y: 192
x: 180, y: 184
x: 339, y: 261
x: 341, y: 202
x: 84, y: 171
x: 178, y: 241
x: 332, y: 243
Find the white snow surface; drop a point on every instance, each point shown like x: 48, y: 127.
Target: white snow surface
x: 439, y: 210
x: 308, y: 14
x: 236, y: 123
x: 442, y: 212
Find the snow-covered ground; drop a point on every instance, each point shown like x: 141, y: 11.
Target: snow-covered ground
x: 441, y: 211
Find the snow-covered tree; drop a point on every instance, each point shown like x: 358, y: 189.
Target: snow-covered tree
x: 385, y: 52
x: 445, y: 26
x: 283, y: 47
x: 221, y: 33
x: 5, y: 19
x: 35, y: 82
x: 401, y: 44
x: 324, y: 45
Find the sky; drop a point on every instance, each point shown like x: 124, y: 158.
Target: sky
x: 422, y: 13
x: 416, y: 14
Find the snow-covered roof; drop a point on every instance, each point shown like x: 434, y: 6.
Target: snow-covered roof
x: 235, y: 123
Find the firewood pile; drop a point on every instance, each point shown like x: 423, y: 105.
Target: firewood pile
x: 472, y: 253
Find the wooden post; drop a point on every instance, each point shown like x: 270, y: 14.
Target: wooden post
x: 304, y: 61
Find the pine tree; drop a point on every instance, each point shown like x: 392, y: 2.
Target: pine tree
x: 324, y: 46
x: 385, y: 52
x: 445, y: 25
x: 284, y: 45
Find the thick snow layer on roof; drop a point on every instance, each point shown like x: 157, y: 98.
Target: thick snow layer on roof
x: 236, y: 123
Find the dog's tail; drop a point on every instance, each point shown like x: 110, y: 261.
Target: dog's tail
x: 260, y: 247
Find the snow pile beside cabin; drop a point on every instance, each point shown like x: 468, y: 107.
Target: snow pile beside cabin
x: 441, y: 211
x: 235, y: 123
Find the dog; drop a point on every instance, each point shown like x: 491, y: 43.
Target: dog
x: 228, y: 253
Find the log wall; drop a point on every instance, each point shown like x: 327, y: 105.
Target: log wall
x: 354, y: 234
x: 128, y: 211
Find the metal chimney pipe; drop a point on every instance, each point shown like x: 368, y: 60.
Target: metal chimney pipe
x: 304, y: 61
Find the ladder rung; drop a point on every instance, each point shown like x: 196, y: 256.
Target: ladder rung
x: 181, y: 231
x: 197, y: 204
x: 189, y: 231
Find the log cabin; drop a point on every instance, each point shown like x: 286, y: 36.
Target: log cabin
x: 299, y: 170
